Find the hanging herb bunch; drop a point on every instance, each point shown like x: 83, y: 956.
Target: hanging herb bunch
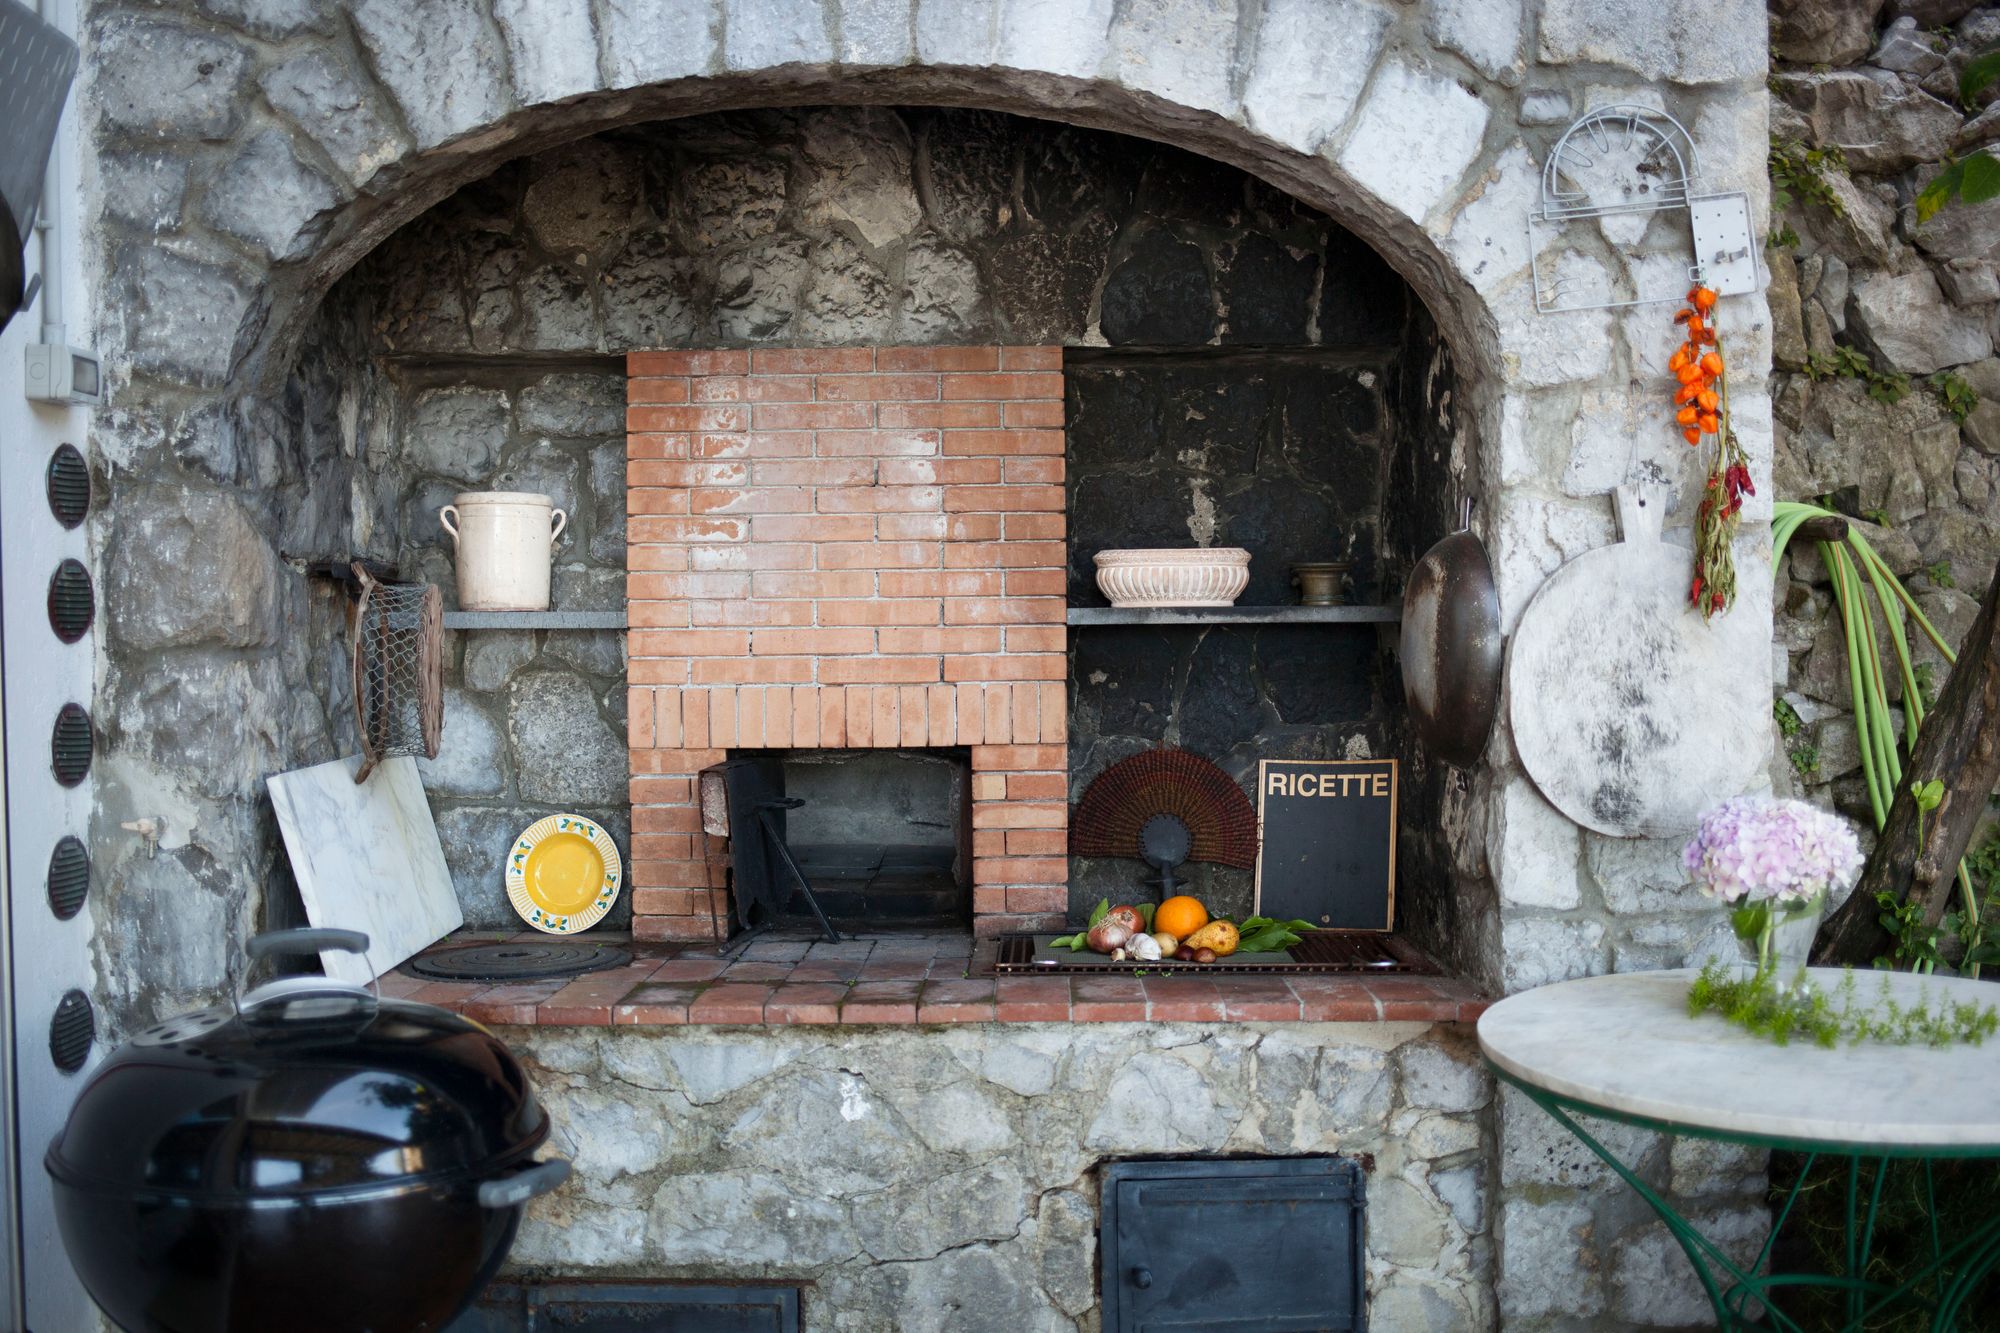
x: 1701, y: 401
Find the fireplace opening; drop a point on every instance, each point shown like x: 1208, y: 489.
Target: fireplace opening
x: 882, y: 836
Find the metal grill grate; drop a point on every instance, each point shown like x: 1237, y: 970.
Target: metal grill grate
x: 71, y: 1032
x: 72, y: 601
x: 517, y: 962
x: 69, y: 878
x: 70, y: 745
x: 1319, y: 951
x: 69, y: 486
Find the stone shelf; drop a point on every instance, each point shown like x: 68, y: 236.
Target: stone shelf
x: 534, y: 620
x: 1235, y: 615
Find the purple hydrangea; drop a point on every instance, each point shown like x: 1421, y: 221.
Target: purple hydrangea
x: 1756, y: 848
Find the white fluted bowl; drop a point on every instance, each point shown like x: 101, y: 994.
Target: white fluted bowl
x: 1191, y: 576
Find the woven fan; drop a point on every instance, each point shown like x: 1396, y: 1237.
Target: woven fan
x: 1220, y: 822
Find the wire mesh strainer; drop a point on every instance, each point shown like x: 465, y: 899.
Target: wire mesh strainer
x: 398, y: 670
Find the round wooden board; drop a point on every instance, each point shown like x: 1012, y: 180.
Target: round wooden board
x: 1628, y: 710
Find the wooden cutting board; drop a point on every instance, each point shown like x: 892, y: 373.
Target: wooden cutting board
x: 1629, y: 711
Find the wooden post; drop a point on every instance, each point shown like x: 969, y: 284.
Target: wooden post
x: 1959, y: 743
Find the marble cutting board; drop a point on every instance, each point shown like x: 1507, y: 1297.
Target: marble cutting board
x: 367, y: 857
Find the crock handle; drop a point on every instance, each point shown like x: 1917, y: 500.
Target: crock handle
x: 445, y: 517
x: 515, y: 1189
x: 305, y: 940
x: 561, y: 520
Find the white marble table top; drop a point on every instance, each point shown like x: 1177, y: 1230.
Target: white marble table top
x: 1626, y: 1044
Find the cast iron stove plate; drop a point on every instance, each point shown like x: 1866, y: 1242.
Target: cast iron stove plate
x: 1318, y: 951
x: 526, y: 960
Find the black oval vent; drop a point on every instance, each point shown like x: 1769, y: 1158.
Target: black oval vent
x: 69, y: 486
x: 69, y: 746
x: 72, y: 1031
x: 72, y: 602
x: 69, y: 878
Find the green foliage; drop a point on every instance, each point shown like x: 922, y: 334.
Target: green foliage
x: 1958, y: 397
x: 1263, y: 934
x: 1972, y: 179
x: 1759, y: 1003
x: 1940, y: 575
x: 1782, y: 237
x: 1885, y: 386
x: 1879, y: 517
x: 1805, y: 760
x: 1928, y: 796
x: 1915, y: 940
x: 1927, y: 690
x: 1787, y: 717
x: 1798, y: 173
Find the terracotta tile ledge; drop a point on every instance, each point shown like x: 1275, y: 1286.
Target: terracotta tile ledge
x: 915, y: 979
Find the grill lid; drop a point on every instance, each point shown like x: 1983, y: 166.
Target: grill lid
x: 313, y: 1089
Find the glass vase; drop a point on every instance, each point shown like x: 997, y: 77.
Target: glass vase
x: 1790, y: 938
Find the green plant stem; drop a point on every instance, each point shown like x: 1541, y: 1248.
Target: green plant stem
x: 1836, y: 564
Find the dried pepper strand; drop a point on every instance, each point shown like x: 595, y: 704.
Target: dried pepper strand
x: 1701, y: 398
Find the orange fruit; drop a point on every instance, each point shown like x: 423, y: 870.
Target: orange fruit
x: 1180, y: 916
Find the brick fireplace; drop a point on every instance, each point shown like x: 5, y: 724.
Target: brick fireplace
x: 847, y: 548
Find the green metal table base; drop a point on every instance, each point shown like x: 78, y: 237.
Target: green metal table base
x: 1745, y: 1298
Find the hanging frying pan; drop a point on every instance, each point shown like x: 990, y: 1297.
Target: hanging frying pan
x: 1631, y: 713
x: 1451, y: 646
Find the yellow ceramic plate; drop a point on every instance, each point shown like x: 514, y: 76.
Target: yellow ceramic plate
x: 563, y: 874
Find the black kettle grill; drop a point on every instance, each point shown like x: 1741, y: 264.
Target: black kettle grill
x: 312, y: 1159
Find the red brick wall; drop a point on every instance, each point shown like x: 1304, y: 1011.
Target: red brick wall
x: 847, y: 547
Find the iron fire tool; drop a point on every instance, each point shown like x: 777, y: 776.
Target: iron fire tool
x: 744, y: 800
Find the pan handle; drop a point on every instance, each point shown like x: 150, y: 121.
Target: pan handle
x: 306, y: 941
x: 517, y: 1187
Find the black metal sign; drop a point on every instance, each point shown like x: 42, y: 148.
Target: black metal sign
x: 1327, y: 842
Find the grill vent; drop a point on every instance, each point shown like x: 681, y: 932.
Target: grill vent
x: 69, y: 878
x: 69, y: 486
x: 72, y: 601
x: 70, y: 745
x: 72, y: 1031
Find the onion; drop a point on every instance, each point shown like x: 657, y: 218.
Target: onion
x: 1107, y: 935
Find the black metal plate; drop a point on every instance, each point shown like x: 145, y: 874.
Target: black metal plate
x: 1318, y: 951
x: 1270, y: 1246
x: 71, y: 744
x: 72, y: 601
x: 629, y: 1307
x: 517, y: 960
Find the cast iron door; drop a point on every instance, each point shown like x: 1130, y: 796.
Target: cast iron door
x: 1272, y: 1246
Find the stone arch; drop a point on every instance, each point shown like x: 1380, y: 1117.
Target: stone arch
x: 1357, y: 113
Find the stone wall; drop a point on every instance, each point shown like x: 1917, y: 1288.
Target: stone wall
x: 1860, y: 288
x: 947, y: 1177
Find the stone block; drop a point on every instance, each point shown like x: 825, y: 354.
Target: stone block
x: 558, y: 311
x: 271, y: 18
x: 1311, y: 63
x: 1415, y: 136
x: 328, y: 102
x: 1650, y: 37
x: 575, y: 405
x: 646, y: 42
x: 1159, y: 294
x: 1540, y: 950
x: 876, y: 32
x: 189, y: 567
x: 1541, y: 350
x: 1902, y: 48
x: 1533, y: 849
x: 1546, y: 1266
x: 942, y: 299
x: 1537, y: 1154
x: 217, y: 719
x: 1406, y: 1302
x: 1484, y: 242
x: 564, y: 751
x: 444, y: 62
x: 469, y: 758
x: 552, y: 45
x: 1442, y: 1078
x: 1698, y: 1167
x: 855, y: 168
x: 147, y: 189
x: 493, y: 656
x: 1178, y: 50
x: 163, y: 81
x: 958, y: 32
x: 1903, y: 319
x: 457, y: 433
x: 1486, y: 32
x: 582, y: 199
x: 1811, y: 32
x: 1788, y: 331
x: 1882, y: 124
x: 1635, y: 875
x: 1405, y: 1224
x: 1067, y: 37
x: 1532, y: 538
x: 1969, y: 282
x: 647, y: 295
x: 1546, y: 106
x: 1652, y: 1282
x: 761, y: 34
x: 268, y: 198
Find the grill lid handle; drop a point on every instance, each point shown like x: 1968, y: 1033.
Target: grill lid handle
x: 304, y: 940
x: 515, y: 1189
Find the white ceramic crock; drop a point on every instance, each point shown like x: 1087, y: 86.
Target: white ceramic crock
x: 1181, y: 576
x: 505, y: 542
